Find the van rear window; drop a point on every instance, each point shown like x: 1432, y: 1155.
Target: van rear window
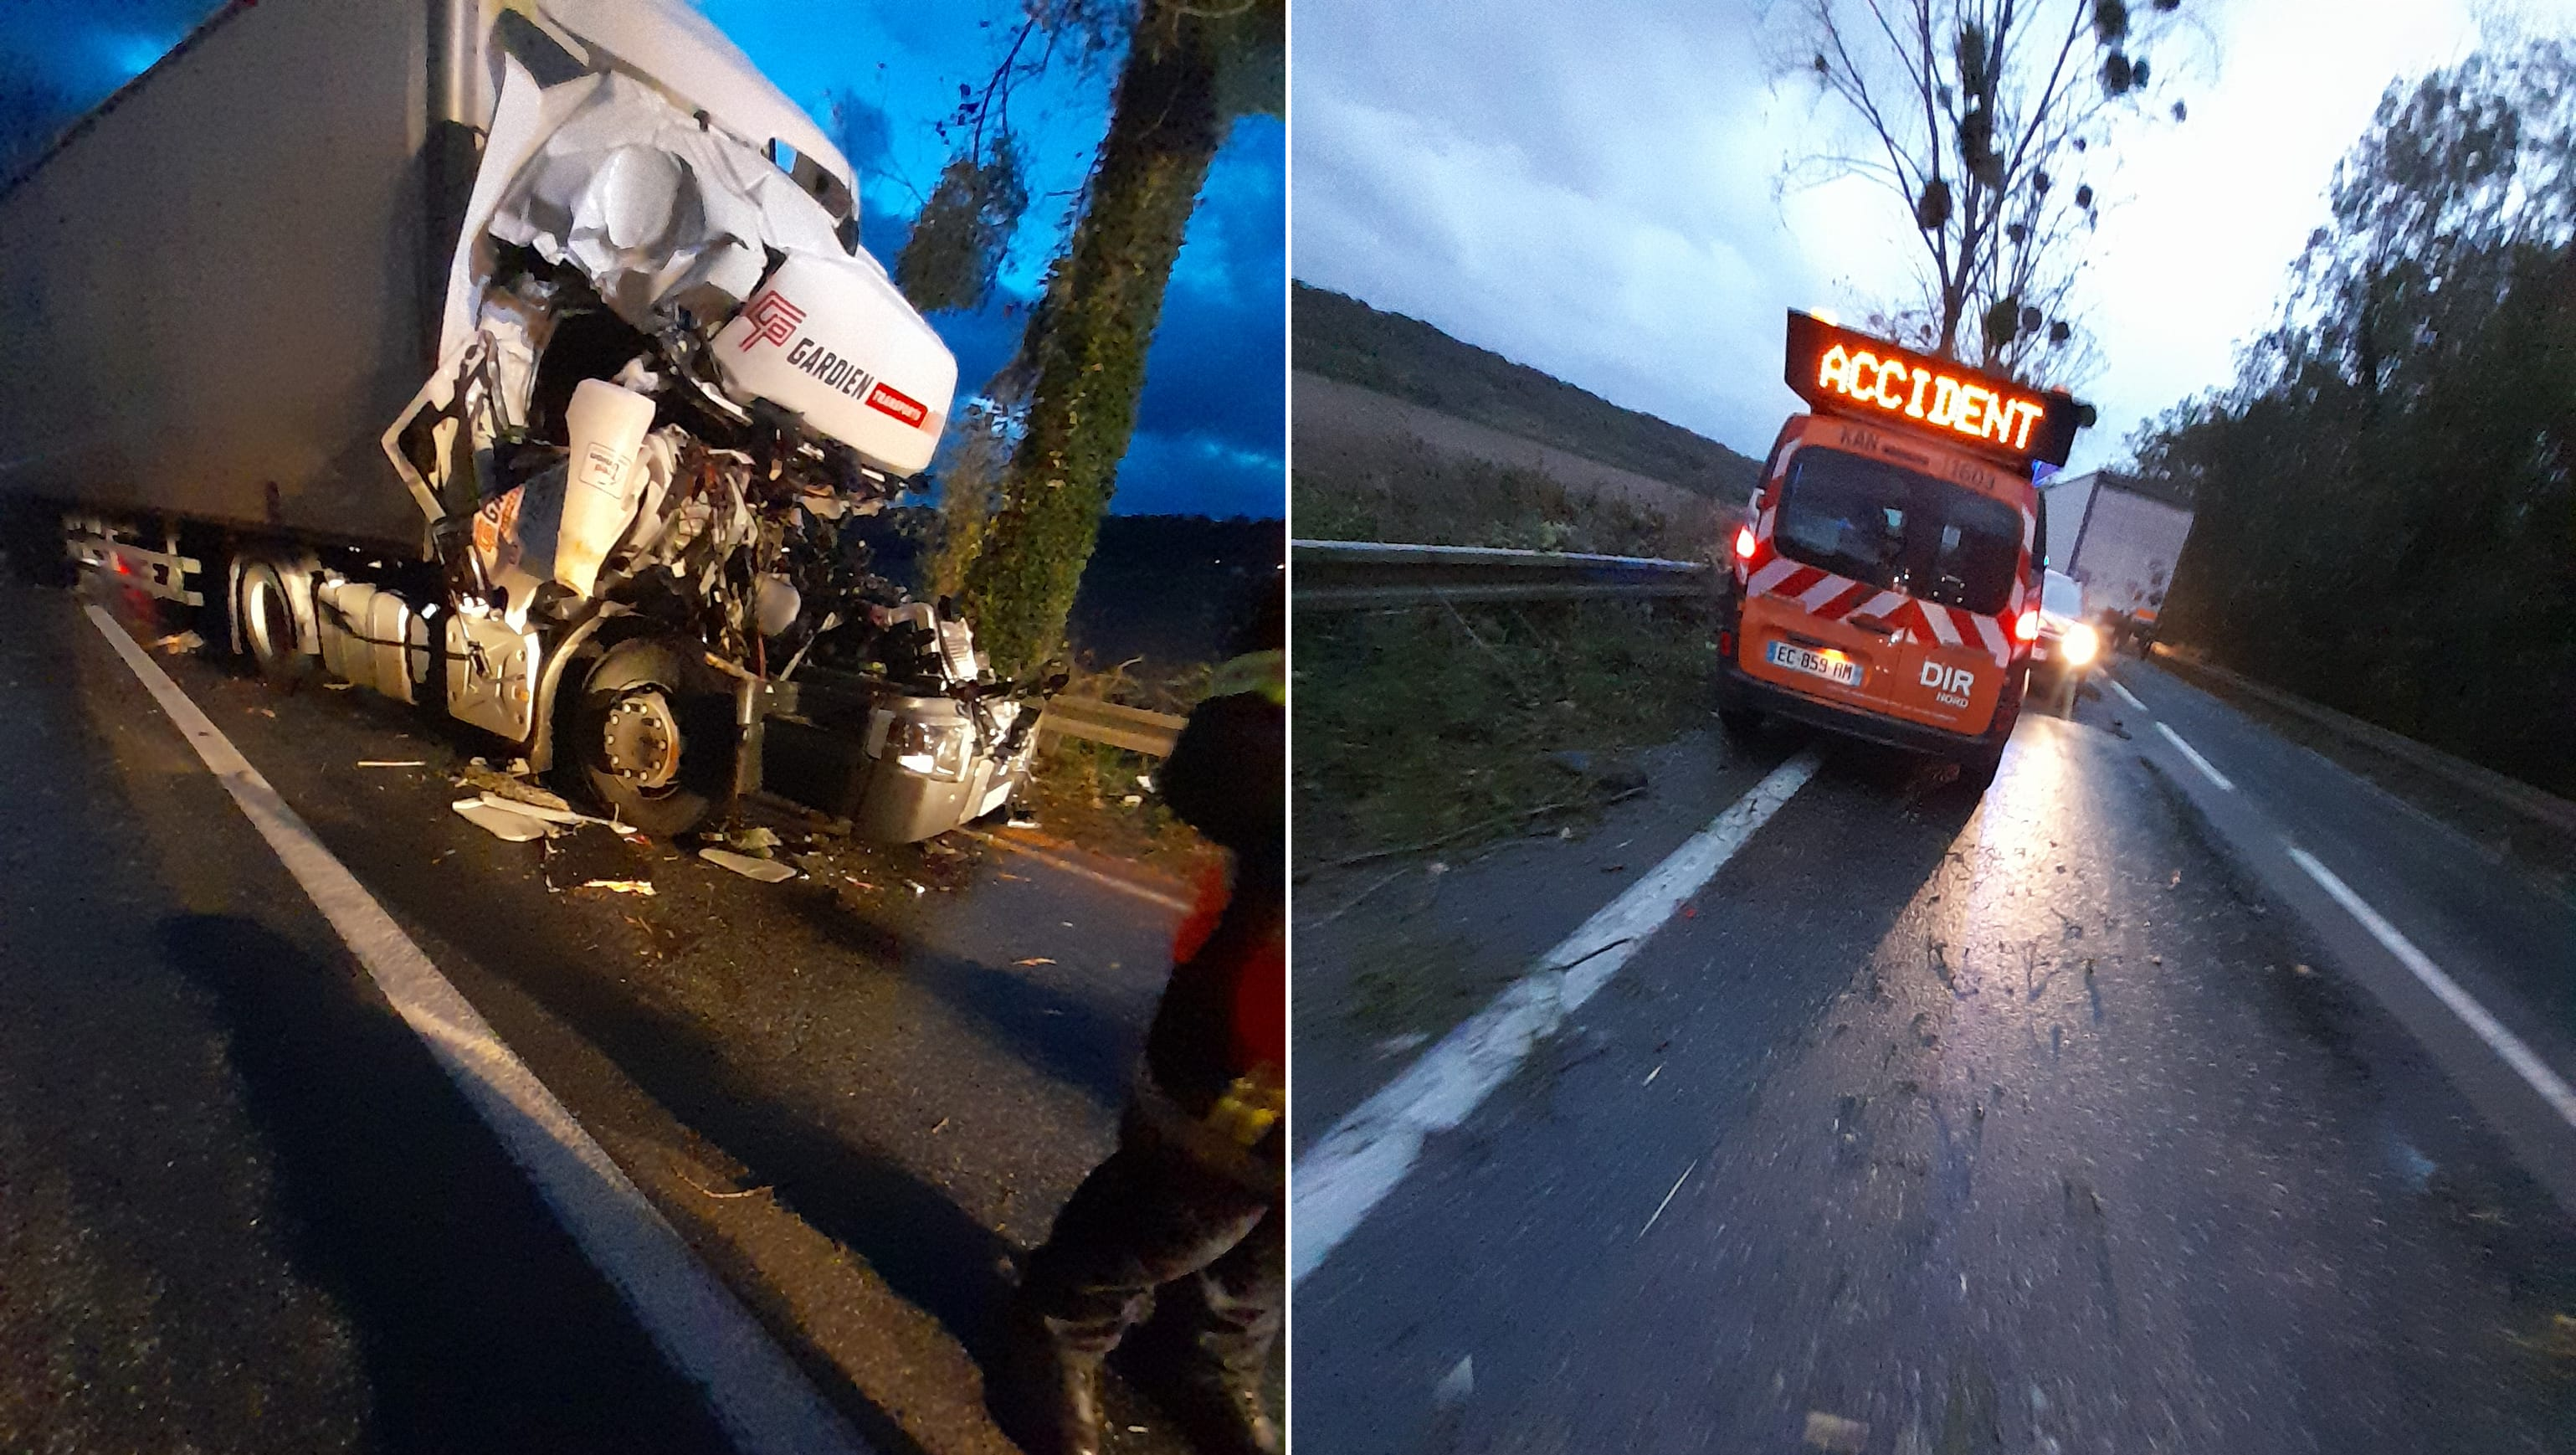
x: 1899, y: 530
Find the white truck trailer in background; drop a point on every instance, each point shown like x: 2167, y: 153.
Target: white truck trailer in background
x: 513, y: 359
x: 2121, y: 546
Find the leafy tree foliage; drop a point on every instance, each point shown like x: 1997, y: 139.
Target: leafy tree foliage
x: 1062, y: 412
x: 1980, y: 117
x: 2387, y: 494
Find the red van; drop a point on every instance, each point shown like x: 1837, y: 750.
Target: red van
x: 1887, y: 573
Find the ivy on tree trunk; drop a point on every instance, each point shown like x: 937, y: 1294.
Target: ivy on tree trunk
x: 1086, y: 344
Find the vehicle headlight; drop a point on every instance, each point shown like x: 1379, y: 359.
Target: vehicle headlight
x: 932, y: 749
x: 2081, y: 644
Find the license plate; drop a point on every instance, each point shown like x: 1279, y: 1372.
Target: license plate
x: 1815, y: 664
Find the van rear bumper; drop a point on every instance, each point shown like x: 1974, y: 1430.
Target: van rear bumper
x: 1736, y: 689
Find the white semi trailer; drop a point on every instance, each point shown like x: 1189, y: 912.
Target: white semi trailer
x: 2121, y: 546
x: 515, y: 358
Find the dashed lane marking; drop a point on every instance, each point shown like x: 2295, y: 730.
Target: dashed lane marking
x: 1355, y: 1165
x: 764, y: 1403
x: 2515, y: 1052
x: 2197, y: 761
x: 2126, y: 695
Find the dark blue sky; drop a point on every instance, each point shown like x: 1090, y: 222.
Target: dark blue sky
x: 1212, y: 430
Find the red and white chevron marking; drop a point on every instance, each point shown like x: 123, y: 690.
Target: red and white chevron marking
x: 1829, y: 597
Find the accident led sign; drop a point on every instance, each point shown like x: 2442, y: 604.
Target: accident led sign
x: 1842, y: 372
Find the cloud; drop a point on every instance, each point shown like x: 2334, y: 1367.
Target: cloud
x: 1594, y: 191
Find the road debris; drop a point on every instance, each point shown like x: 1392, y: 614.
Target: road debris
x: 178, y: 642
x: 1034, y: 960
x: 494, y: 783
x: 767, y: 871
x: 753, y: 840
x: 264, y: 711
x: 505, y: 824
x: 1668, y: 1197
x: 1456, y: 1385
x: 1833, y: 1432
x: 391, y: 763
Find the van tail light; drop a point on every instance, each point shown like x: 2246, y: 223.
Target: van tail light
x: 1744, y: 543
x: 2027, y: 629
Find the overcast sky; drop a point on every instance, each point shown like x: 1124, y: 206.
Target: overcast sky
x: 1591, y: 190
x: 1211, y: 427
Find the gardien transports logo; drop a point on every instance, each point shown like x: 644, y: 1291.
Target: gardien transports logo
x: 772, y: 318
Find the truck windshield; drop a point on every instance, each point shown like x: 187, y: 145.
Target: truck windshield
x: 1892, y: 528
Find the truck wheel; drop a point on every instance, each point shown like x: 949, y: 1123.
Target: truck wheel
x: 267, y: 617
x: 639, y: 745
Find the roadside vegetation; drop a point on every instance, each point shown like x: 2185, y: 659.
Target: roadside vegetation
x: 1421, y: 497
x: 1342, y: 338
x: 2386, y: 495
x: 1447, y: 726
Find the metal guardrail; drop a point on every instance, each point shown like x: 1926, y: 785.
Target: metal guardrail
x: 2511, y: 794
x: 1351, y: 575
x: 1132, y: 728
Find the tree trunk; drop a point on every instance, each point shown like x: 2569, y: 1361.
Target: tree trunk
x: 1086, y: 344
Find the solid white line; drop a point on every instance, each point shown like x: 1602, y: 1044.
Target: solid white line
x: 765, y: 1404
x: 1174, y: 903
x: 2126, y: 695
x: 2503, y: 1042
x: 1356, y: 1164
x: 2197, y: 760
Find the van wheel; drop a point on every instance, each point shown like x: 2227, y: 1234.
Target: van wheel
x: 639, y: 744
x: 1977, y: 774
x: 1741, y: 719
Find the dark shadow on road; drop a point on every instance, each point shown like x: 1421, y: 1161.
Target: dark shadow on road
x: 1066, y: 1036
x: 482, y: 1326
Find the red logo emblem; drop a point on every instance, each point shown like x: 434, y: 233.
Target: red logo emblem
x: 772, y: 318
x: 902, y: 406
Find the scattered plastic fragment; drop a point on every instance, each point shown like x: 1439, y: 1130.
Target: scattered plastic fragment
x: 507, y: 825
x: 1034, y: 960
x: 767, y: 871
x: 622, y: 886
x: 1456, y: 1385
x: 751, y: 840
x: 391, y: 763
x: 1833, y: 1432
x: 178, y: 642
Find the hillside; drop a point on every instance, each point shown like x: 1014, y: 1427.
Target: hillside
x: 1341, y: 338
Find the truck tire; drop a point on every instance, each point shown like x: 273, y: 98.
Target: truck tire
x: 265, y: 611
x: 637, y: 743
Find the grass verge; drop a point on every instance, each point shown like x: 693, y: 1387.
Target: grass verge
x: 1439, y: 723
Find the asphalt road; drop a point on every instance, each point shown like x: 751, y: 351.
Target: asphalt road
x: 1932, y: 1124
x: 242, y: 1208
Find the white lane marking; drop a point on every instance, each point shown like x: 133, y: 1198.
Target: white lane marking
x: 2503, y: 1042
x: 1174, y: 903
x: 2197, y: 760
x: 1357, y: 1163
x: 2126, y: 695
x: 763, y: 1401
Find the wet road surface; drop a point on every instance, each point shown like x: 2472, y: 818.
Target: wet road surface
x: 1932, y: 1125
x: 241, y: 1208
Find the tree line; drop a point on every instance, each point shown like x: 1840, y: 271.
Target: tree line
x: 2386, y: 493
